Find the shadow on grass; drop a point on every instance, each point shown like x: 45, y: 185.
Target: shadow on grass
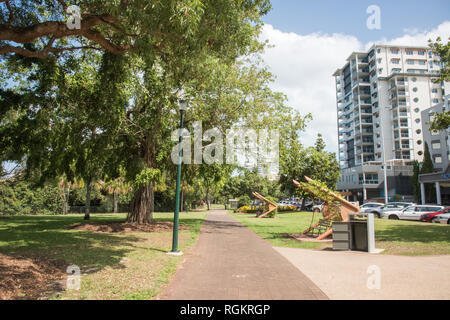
x: 413, y: 233
x: 48, y: 236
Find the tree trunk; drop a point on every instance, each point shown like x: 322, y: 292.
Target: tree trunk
x: 87, y: 215
x: 66, y: 203
x: 116, y: 196
x: 207, y: 198
x: 142, y: 206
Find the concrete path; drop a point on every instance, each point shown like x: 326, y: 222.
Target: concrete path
x: 344, y: 275
x: 231, y: 262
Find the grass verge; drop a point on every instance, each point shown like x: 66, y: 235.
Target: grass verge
x: 113, y: 265
x: 396, y: 237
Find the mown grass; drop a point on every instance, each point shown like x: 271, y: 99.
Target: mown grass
x: 127, y: 265
x: 396, y: 237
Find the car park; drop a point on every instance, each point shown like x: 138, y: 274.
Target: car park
x: 428, y: 217
x: 413, y: 212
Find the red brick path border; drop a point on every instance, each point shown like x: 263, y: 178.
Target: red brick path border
x: 231, y: 262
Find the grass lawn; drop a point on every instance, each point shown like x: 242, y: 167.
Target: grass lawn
x: 396, y: 237
x: 127, y: 265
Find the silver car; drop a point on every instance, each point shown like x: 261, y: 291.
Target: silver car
x: 442, y: 218
x: 371, y: 207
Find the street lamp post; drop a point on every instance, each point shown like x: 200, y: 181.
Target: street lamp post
x: 183, y: 106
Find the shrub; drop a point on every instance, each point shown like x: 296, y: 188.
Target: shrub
x: 287, y: 208
x: 244, y: 201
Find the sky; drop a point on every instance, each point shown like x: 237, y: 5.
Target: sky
x: 312, y: 39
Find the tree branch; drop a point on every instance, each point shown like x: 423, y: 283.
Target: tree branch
x: 41, y: 54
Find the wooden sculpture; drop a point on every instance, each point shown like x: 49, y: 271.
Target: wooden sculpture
x: 335, y: 208
x: 272, y: 206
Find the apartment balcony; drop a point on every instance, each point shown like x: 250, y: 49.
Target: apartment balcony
x: 404, y: 124
x: 363, y: 70
x: 401, y: 136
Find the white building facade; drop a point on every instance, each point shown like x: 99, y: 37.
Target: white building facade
x: 380, y: 96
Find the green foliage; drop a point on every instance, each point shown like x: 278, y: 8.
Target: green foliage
x: 443, y: 51
x: 441, y: 121
x: 319, y: 190
x: 20, y: 198
x: 415, y: 180
x: 244, y: 200
x: 428, y: 167
x: 296, y: 161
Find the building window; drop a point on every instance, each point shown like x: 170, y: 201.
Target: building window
x: 419, y: 142
x: 409, y: 52
x: 418, y: 131
x: 415, y: 89
x: 416, y: 100
x: 394, y: 51
x: 434, y: 132
x: 414, y: 79
x: 410, y: 62
x: 434, y: 90
x: 417, y: 110
x: 437, y: 159
x: 417, y: 120
x: 421, y: 53
x: 436, y: 101
x: 420, y: 153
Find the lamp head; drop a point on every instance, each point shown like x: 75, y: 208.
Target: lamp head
x: 183, y: 105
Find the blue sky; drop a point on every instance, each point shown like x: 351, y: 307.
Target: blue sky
x: 349, y: 16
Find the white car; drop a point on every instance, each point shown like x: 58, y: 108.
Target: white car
x: 442, y: 218
x: 412, y: 212
x: 371, y: 207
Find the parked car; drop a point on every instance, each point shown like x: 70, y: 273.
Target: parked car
x: 442, y: 218
x: 413, y: 212
x: 428, y: 217
x: 371, y: 207
x: 392, y: 206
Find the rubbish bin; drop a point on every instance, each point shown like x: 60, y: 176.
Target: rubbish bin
x: 359, y: 236
x: 350, y: 235
x: 342, y: 236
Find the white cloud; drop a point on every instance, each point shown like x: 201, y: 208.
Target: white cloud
x: 304, y: 64
x: 414, y: 37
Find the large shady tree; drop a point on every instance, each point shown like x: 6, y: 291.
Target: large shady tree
x: 148, y: 54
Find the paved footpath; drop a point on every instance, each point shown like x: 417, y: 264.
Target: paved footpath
x: 344, y: 275
x: 231, y: 262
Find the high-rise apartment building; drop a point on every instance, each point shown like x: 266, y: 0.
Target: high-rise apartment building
x: 380, y: 96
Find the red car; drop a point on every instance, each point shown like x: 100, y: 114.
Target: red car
x: 429, y: 216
